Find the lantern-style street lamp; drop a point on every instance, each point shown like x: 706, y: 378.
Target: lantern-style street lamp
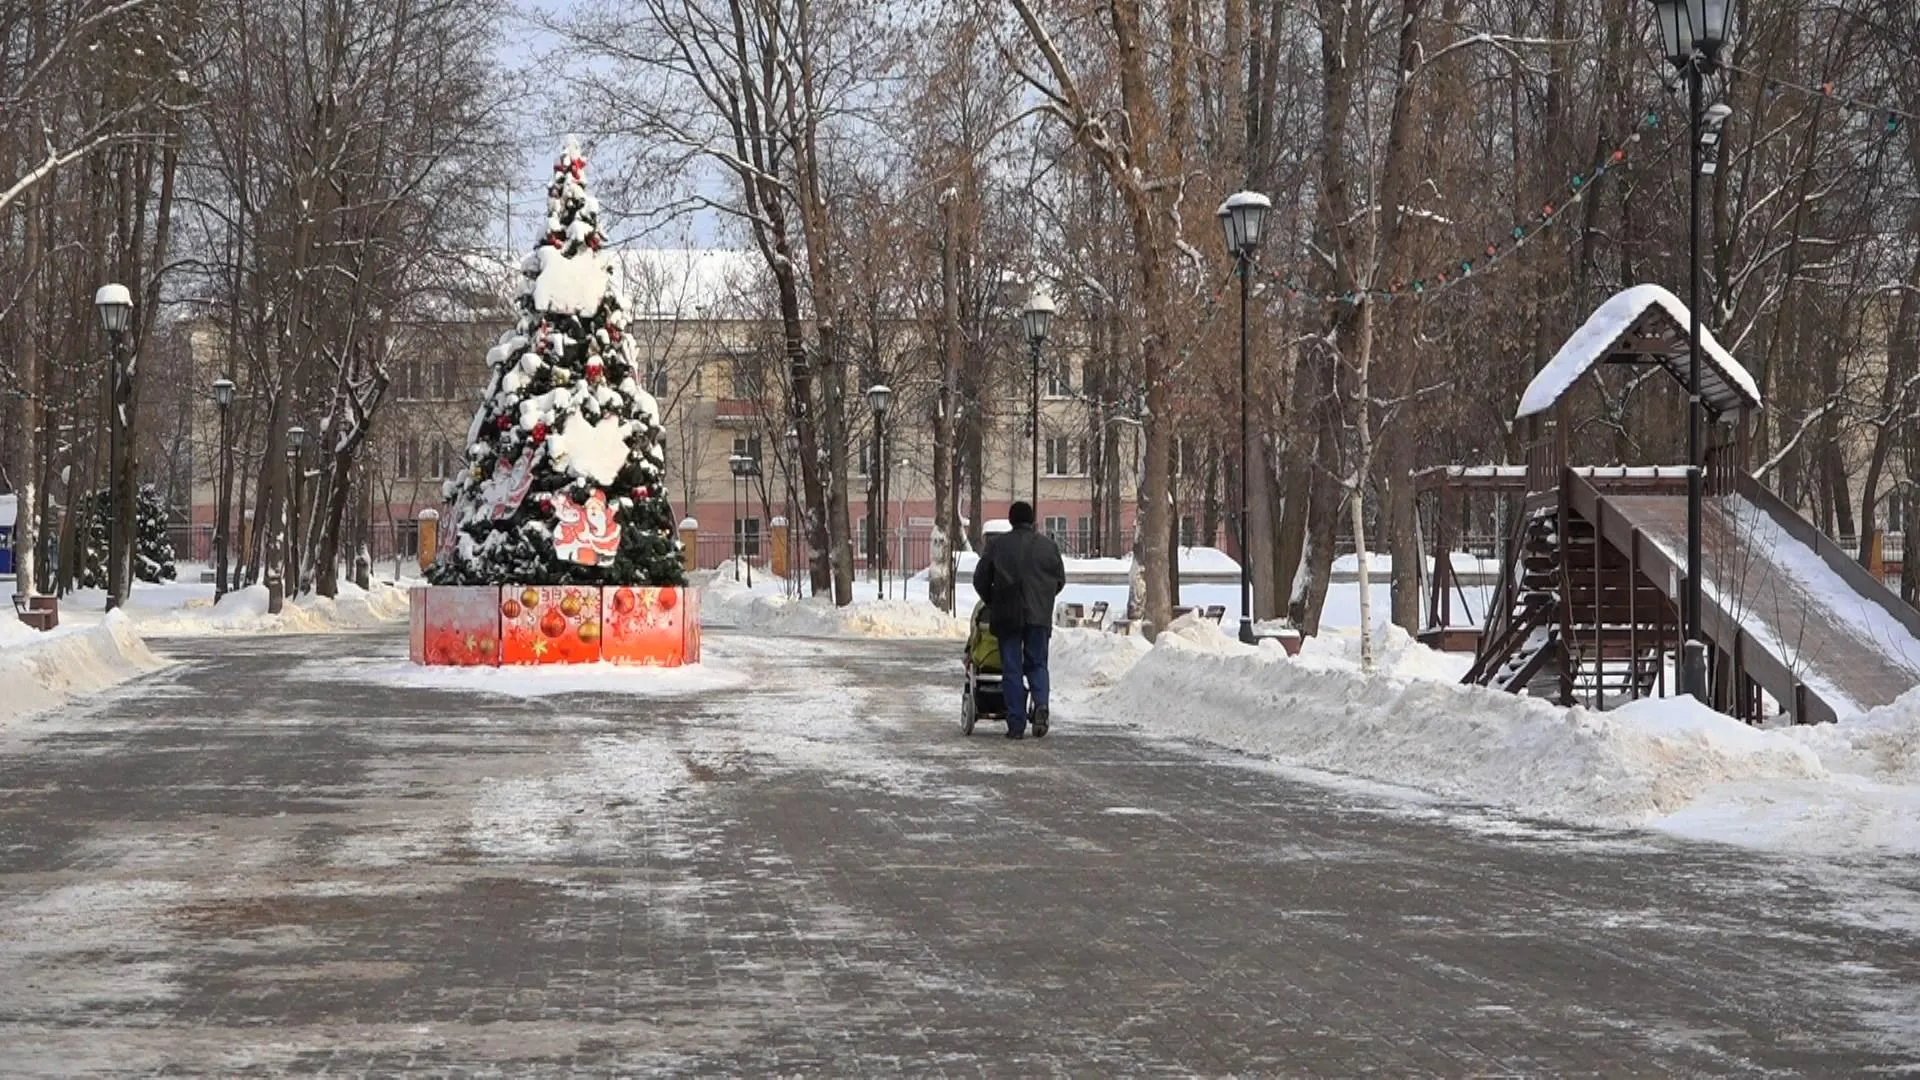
x: 879, y: 399
x: 1243, y: 216
x: 223, y: 496
x: 1692, y: 33
x: 1037, y: 320
x: 115, y: 306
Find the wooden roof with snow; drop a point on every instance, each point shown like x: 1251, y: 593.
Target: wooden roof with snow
x: 1643, y: 325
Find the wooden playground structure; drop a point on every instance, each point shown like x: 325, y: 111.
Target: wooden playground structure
x: 1585, y: 608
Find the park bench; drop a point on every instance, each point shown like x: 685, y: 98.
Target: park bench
x: 39, y: 612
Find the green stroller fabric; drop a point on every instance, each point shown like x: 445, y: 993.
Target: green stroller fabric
x: 982, y: 647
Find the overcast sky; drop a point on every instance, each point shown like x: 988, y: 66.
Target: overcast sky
x: 526, y: 44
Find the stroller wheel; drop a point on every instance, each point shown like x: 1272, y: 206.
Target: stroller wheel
x: 969, y: 712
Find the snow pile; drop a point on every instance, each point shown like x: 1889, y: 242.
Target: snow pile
x: 1082, y: 660
x: 244, y: 611
x: 41, y: 670
x: 1882, y: 745
x: 1629, y: 767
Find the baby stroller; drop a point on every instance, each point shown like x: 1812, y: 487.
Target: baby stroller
x: 981, y: 698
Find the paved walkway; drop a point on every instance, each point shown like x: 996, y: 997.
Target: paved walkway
x: 264, y: 860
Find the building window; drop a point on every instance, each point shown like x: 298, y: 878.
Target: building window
x: 1189, y: 531
x: 744, y: 371
x: 452, y: 387
x: 746, y: 446
x: 1060, y: 455
x: 1060, y: 378
x: 657, y: 381
x: 746, y: 536
x: 1182, y: 455
x: 406, y: 458
x: 1056, y: 528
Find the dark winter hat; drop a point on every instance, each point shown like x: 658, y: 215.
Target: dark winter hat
x: 1020, y: 513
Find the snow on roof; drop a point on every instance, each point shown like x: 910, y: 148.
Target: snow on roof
x: 659, y: 283
x: 1724, y: 384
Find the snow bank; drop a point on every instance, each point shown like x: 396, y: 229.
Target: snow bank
x: 767, y: 609
x: 1666, y: 764
x: 1083, y: 660
x: 244, y: 611
x: 41, y: 670
x: 1629, y: 767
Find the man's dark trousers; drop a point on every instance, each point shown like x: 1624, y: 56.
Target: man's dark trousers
x: 1023, y: 668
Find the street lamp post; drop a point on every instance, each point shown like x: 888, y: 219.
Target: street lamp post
x: 223, y: 495
x: 744, y: 468
x: 296, y: 493
x: 1692, y: 31
x: 115, y: 305
x: 795, y: 528
x: 879, y: 397
x: 1037, y: 319
x: 1242, y: 216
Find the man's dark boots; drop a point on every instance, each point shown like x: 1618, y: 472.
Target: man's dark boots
x: 1040, y: 722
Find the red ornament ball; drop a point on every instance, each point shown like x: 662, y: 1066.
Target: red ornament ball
x: 593, y: 241
x: 539, y: 433
x: 641, y: 492
x: 595, y: 369
x: 503, y: 421
x: 613, y: 334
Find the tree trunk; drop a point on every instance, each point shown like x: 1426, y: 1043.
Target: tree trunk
x: 940, y: 588
x: 26, y: 531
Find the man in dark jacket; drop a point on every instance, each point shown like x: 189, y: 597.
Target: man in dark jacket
x: 1017, y: 578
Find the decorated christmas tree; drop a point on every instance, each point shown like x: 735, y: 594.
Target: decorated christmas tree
x: 565, y: 482
x: 152, y: 548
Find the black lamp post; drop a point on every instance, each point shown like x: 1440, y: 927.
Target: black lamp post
x: 223, y: 484
x: 879, y: 397
x: 1242, y: 216
x: 115, y: 305
x: 296, y: 494
x: 1692, y: 31
x: 1037, y: 319
x: 795, y: 527
x: 744, y: 469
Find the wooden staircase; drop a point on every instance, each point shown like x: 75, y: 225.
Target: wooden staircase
x: 1572, y: 622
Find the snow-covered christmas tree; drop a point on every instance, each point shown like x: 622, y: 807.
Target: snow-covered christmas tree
x: 90, y: 538
x: 565, y: 483
x: 152, y: 548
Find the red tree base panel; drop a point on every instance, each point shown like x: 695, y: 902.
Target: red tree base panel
x: 466, y: 626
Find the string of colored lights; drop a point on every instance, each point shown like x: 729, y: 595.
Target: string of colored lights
x: 1891, y: 117
x: 1495, y: 252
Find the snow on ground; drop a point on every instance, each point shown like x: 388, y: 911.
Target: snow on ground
x: 183, y: 609
x: 93, y: 649
x: 41, y: 670
x: 544, y: 680
x: 766, y: 608
x: 1670, y: 765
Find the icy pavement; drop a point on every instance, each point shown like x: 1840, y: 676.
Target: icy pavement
x: 278, y: 857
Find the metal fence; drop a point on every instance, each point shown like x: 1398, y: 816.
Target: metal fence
x: 387, y: 540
